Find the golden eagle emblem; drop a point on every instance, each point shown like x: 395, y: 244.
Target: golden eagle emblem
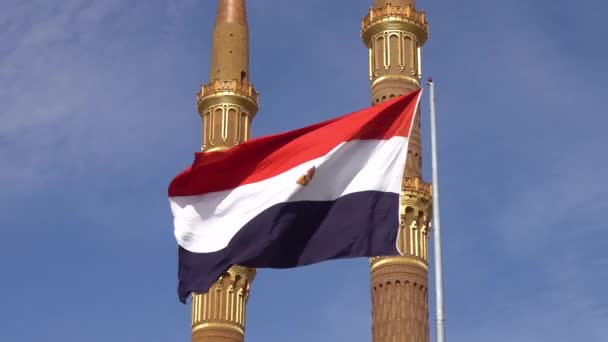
x: 305, y: 179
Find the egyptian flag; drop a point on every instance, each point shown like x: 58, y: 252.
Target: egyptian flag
x: 322, y: 192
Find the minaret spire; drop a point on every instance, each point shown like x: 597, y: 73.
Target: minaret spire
x: 227, y: 105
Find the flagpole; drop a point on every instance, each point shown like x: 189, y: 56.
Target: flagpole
x: 440, y: 319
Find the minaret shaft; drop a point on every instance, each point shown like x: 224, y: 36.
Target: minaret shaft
x: 227, y: 106
x: 230, y: 47
x: 394, y: 32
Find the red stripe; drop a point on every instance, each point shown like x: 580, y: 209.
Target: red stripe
x: 266, y: 157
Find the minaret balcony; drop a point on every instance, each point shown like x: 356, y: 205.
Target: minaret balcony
x: 228, y: 87
x: 218, y: 91
x: 390, y: 17
x: 415, y: 225
x: 416, y: 184
x: 418, y: 194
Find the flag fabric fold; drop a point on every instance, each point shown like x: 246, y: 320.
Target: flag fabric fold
x: 318, y: 193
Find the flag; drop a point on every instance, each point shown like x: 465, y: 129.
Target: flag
x: 323, y: 192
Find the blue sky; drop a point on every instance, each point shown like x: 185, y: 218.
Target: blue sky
x: 98, y: 114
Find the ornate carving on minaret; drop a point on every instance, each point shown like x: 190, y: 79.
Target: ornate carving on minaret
x: 220, y: 313
x: 394, y: 32
x: 227, y: 105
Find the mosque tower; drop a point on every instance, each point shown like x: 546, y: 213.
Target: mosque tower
x: 227, y: 105
x: 394, y: 31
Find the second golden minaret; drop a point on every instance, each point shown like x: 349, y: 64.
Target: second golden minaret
x: 394, y: 32
x: 227, y: 105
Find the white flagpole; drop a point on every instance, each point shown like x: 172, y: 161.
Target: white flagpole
x: 440, y: 319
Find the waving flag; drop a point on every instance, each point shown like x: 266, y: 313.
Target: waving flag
x: 322, y: 192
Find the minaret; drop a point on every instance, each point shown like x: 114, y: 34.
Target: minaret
x: 227, y: 105
x: 394, y: 32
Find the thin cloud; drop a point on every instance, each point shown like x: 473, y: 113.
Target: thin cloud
x: 69, y: 103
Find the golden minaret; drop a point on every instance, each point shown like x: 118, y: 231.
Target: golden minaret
x: 227, y: 105
x: 394, y: 31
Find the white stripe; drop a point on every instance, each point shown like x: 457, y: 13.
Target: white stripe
x: 206, y: 223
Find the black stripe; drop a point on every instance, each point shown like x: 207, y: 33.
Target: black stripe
x: 286, y: 235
